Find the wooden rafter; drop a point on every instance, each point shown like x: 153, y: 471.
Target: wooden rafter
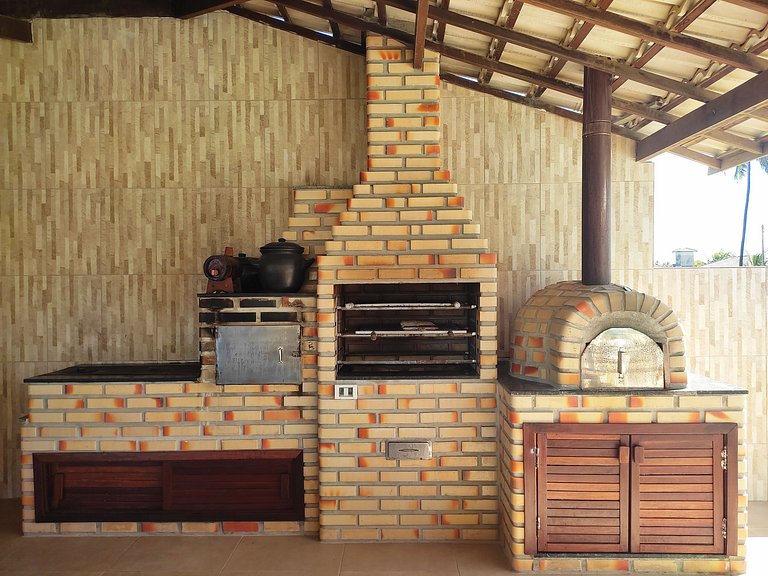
x: 190, y: 8
x: 583, y: 58
x: 440, y: 32
x: 284, y: 13
x: 301, y: 31
x: 575, y: 42
x: 686, y: 20
x: 334, y: 26
x: 496, y: 49
x: 659, y: 35
x: 381, y: 10
x: 15, y: 29
x: 740, y: 100
x: 420, y: 34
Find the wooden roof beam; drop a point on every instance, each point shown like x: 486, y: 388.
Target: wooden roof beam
x: 300, y: 30
x: 657, y: 34
x: 575, y: 42
x: 735, y: 158
x: 682, y: 23
x: 711, y: 161
x: 597, y: 62
x: 334, y: 26
x: 741, y: 100
x: 420, y: 34
x: 284, y: 13
x: 495, y: 51
x: 440, y: 33
x: 381, y: 10
x: 185, y: 9
x: 15, y: 29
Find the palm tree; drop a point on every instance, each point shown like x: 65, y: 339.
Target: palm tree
x: 741, y: 171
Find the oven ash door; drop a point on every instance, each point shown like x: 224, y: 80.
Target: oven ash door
x: 261, y: 354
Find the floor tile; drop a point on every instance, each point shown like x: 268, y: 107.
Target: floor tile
x: 256, y: 554
x: 400, y: 558
x: 183, y: 555
x: 62, y: 553
x: 481, y: 560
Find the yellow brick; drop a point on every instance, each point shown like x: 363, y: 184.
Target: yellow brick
x: 559, y: 402
x: 430, y: 244
x: 656, y: 565
x: 706, y: 566
x: 604, y: 402
x: 582, y: 417
x: 384, y: 108
x: 678, y: 417
x: 724, y: 416
x: 418, y: 490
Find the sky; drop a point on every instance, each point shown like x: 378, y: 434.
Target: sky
x: 694, y: 210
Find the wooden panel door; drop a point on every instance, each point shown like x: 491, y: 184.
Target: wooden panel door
x: 677, y: 493
x: 583, y: 492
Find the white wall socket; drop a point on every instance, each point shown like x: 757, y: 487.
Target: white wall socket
x: 345, y: 391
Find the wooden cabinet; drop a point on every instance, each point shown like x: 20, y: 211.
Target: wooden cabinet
x: 169, y: 486
x: 636, y: 488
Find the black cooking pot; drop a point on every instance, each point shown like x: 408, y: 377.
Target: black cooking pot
x: 282, y: 268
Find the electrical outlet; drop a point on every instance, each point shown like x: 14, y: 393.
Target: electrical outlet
x: 345, y: 391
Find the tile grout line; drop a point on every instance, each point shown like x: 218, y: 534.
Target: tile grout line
x: 341, y: 560
x: 232, y: 553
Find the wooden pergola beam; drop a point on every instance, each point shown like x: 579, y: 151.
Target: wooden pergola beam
x: 185, y: 9
x: 740, y: 100
x: 656, y: 34
x: 597, y: 62
x: 711, y: 161
x: 736, y: 158
x: 284, y: 13
x: 15, y: 29
x: 420, y: 33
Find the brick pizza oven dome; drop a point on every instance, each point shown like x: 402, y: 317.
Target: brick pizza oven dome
x: 554, y: 328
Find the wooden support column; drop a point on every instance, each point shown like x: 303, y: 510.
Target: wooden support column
x: 596, y: 179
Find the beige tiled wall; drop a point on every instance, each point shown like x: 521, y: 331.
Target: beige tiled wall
x: 133, y: 149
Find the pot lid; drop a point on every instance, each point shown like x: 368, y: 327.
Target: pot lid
x: 282, y: 246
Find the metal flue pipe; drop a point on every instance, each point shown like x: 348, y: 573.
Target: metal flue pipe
x: 596, y: 179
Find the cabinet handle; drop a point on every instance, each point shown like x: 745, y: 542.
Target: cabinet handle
x: 639, y: 455
x: 279, y: 354
x: 623, y: 454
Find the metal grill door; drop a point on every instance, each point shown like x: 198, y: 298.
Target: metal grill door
x: 263, y: 354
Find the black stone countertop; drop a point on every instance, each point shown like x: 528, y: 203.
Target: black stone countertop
x: 130, y: 372
x: 696, y: 385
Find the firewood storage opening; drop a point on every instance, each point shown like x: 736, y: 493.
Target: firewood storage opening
x: 407, y: 330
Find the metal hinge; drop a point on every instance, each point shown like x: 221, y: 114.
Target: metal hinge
x: 724, y: 458
x: 538, y: 522
x: 725, y: 529
x: 535, y: 452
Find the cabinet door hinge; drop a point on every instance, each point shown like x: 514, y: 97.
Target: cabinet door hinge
x: 535, y: 452
x: 538, y: 522
x: 725, y: 529
x: 724, y: 458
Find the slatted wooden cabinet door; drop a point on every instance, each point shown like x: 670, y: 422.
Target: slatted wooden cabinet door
x: 583, y: 482
x: 677, y: 493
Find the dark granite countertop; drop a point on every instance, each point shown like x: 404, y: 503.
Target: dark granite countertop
x: 696, y: 385
x: 129, y: 372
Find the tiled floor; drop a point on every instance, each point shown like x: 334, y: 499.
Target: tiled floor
x: 268, y: 556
